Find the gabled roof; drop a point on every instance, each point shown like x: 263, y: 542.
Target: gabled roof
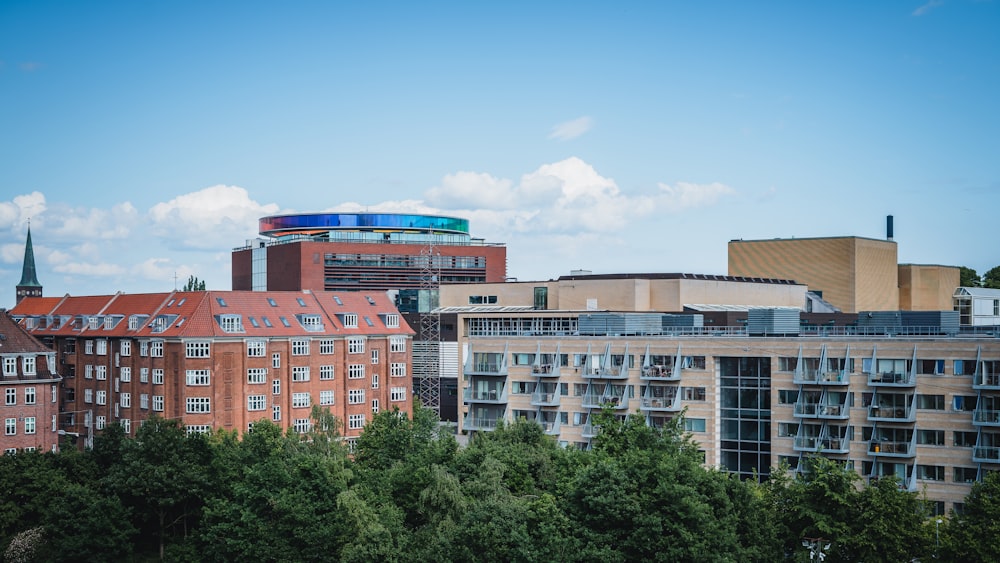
x: 14, y: 339
x: 978, y: 292
x: 36, y: 306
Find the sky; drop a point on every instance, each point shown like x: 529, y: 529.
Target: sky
x: 143, y: 140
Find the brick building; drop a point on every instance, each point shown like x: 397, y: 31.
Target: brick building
x: 224, y: 359
x: 29, y: 387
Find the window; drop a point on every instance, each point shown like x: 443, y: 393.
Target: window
x: 964, y: 367
x: 397, y: 394
x: 964, y: 439
x: 88, y: 372
x: 143, y: 348
x: 932, y: 367
x: 311, y: 322
x: 965, y: 474
x: 256, y: 348
x: 133, y: 323
x: 125, y: 347
x: 125, y: 400
x: 326, y: 347
x: 158, y: 403
x: 397, y: 343
x: 102, y: 347
x: 10, y: 366
x: 355, y: 345
x: 374, y: 356
x: 198, y: 377
x: 157, y: 376
x: 29, y: 425
x: 276, y: 387
x: 28, y: 365
x: 198, y: 349
x: 300, y: 400
x: 256, y: 376
x: 101, y: 398
x: 374, y: 381
x: 300, y: 373
x: 144, y: 401
x: 693, y: 393
x: 930, y: 472
x: 100, y: 422
x: 156, y: 349
x: 397, y: 369
x: 355, y: 421
x: 231, y: 323
x: 143, y: 375
x: 356, y: 371
x: 276, y: 413
x: 326, y: 372
x: 964, y: 402
x: 88, y: 347
x: 101, y: 372
x: 198, y: 405
x: 88, y: 395
x: 392, y: 320
x: 350, y: 320
x: 355, y: 396
x: 276, y: 360
x: 787, y: 429
x: 302, y: 425
x: 10, y: 396
x: 125, y: 374
x: 256, y: 402
x: 930, y: 437
x: 300, y: 347
x: 374, y: 406
x: 198, y: 428
x: 694, y: 424
x: 10, y: 426
x: 930, y: 402
x: 326, y: 397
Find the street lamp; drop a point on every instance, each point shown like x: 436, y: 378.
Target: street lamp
x: 937, y: 535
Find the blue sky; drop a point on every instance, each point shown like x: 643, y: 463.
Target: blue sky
x: 145, y: 139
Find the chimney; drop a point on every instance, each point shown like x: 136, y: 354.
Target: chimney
x: 888, y: 227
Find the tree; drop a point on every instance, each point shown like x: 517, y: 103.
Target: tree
x: 974, y: 535
x: 967, y: 277
x: 194, y: 284
x: 991, y: 278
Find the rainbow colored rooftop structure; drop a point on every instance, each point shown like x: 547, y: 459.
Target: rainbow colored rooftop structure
x: 337, y: 251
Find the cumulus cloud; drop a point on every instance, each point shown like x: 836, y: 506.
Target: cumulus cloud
x: 92, y: 223
x: 203, y: 218
x: 571, y: 129
x: 924, y: 9
x: 685, y: 195
x: 16, y: 212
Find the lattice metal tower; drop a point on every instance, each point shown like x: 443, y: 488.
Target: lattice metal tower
x: 427, y: 351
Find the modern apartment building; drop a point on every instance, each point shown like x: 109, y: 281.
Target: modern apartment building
x: 920, y: 403
x: 29, y: 386
x: 223, y: 359
x: 364, y: 252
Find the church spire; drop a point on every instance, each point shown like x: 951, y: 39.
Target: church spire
x: 29, y: 286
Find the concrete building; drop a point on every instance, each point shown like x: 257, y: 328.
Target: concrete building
x: 921, y: 406
x: 29, y: 386
x: 978, y: 306
x: 223, y: 359
x: 364, y: 252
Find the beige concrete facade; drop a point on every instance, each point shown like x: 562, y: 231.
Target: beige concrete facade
x: 927, y: 287
x: 853, y: 273
x: 903, y: 406
x: 650, y: 292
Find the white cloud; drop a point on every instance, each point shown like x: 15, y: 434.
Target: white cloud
x: 471, y: 189
x: 103, y: 269
x: 571, y: 129
x: 15, y: 213
x: 93, y: 223
x: 686, y: 195
x: 924, y: 9
x: 203, y: 218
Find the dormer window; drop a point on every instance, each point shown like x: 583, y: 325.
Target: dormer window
x: 392, y: 321
x: 350, y: 320
x: 311, y: 322
x: 231, y: 323
x: 92, y: 323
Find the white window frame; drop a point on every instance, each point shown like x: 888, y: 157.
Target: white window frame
x: 198, y: 405
x: 356, y: 345
x: 355, y: 396
x: 327, y: 346
x: 300, y: 400
x: 198, y: 349
x: 256, y: 402
x: 256, y: 376
x: 356, y: 371
x: 300, y: 347
x: 256, y: 348
x: 327, y: 398
x: 198, y: 377
x: 300, y: 373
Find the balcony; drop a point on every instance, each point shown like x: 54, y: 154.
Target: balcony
x: 480, y: 423
x: 486, y: 363
x: 986, y: 382
x: 986, y: 417
x: 495, y: 395
x: 550, y: 427
x: 608, y: 372
x: 590, y: 430
x: 891, y: 379
x: 892, y: 413
x: 835, y: 445
x: 545, y: 398
x: 597, y: 400
x: 833, y: 411
x: 805, y: 409
x: 892, y: 446
x: 986, y: 454
x: 806, y: 376
x: 807, y: 443
x: 545, y: 370
x: 659, y: 373
x: 661, y: 399
x: 835, y: 377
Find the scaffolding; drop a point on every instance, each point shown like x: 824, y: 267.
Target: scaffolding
x: 427, y: 350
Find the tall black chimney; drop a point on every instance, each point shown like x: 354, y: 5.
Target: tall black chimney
x: 888, y: 227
